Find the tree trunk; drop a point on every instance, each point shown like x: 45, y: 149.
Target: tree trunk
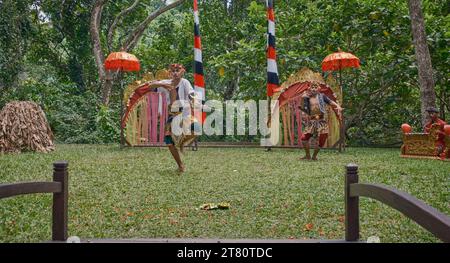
x: 107, y: 87
x: 96, y: 17
x: 107, y: 78
x: 137, y: 33
x: 427, y: 92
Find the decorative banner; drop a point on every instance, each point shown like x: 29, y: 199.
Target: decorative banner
x: 272, y: 69
x: 199, y: 80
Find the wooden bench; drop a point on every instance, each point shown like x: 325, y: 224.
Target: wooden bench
x: 426, y: 216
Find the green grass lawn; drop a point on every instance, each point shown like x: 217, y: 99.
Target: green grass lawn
x: 136, y: 193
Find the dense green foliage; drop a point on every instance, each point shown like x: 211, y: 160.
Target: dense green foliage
x: 137, y: 193
x: 46, y: 56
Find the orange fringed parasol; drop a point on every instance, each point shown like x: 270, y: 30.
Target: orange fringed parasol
x: 340, y: 60
x: 122, y: 61
x: 336, y: 62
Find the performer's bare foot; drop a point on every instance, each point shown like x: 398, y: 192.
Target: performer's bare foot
x: 305, y: 158
x: 181, y: 169
x: 314, y: 159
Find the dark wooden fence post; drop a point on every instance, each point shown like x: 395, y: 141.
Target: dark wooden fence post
x: 60, y: 200
x: 351, y: 205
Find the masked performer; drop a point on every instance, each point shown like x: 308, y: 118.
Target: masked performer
x: 314, y: 108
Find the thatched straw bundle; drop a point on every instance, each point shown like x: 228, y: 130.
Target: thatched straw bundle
x: 24, y: 127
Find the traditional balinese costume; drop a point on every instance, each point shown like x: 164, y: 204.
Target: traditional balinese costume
x: 316, y: 125
x: 181, y: 104
x: 440, y: 142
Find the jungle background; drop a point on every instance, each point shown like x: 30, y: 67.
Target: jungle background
x: 47, y: 55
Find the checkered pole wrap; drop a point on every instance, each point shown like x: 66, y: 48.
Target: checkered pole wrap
x: 272, y: 69
x: 199, y: 79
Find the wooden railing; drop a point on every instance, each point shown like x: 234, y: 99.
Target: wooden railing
x: 59, y: 188
x: 426, y: 216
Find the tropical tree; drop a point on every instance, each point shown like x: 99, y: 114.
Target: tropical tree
x: 61, y: 41
x: 16, y: 30
x: 125, y: 42
x: 423, y: 58
x: 52, y: 52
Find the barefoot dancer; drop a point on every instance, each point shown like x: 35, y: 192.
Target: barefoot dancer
x: 182, y: 99
x: 313, y: 106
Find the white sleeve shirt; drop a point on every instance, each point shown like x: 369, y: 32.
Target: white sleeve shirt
x: 185, y: 93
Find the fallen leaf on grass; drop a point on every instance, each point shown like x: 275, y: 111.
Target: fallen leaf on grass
x: 223, y: 205
x: 173, y: 221
x: 130, y: 213
x: 209, y: 206
x: 212, y: 206
x: 308, y: 227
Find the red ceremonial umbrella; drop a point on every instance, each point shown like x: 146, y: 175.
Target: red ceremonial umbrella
x: 122, y: 61
x: 338, y: 61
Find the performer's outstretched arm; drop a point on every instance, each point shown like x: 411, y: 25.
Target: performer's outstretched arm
x: 158, y: 84
x: 336, y: 106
